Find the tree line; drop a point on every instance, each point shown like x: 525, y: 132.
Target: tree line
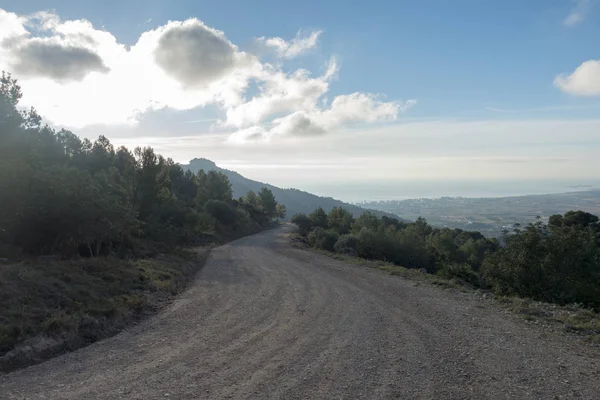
x: 557, y: 261
x: 66, y: 196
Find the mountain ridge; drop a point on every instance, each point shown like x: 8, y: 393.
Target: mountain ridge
x: 295, y: 200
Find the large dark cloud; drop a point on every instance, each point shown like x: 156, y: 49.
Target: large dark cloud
x: 195, y: 54
x: 54, y: 60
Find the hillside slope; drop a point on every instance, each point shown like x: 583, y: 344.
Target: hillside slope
x: 296, y: 201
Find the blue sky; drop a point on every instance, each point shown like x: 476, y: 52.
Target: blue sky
x: 470, y: 67
x: 456, y: 57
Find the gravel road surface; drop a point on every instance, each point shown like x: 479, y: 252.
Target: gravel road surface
x: 265, y: 320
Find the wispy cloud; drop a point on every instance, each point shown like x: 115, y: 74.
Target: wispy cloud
x: 292, y: 48
x: 546, y: 109
x: 501, y: 110
x: 578, y: 13
x: 505, y: 149
x: 199, y: 121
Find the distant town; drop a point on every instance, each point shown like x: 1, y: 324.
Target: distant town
x: 490, y: 216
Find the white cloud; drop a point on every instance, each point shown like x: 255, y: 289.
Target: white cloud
x: 578, y: 13
x: 77, y: 76
x: 60, y: 51
x: 44, y: 20
x: 195, y: 54
x: 53, y: 58
x: 344, y: 109
x: 129, y: 82
x: 254, y: 133
x: 302, y: 99
x: 280, y: 93
x: 584, y: 81
x: 299, y: 123
x: 293, y: 48
x: 11, y: 25
x: 361, y: 107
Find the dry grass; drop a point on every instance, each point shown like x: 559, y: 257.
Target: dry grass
x: 573, y: 319
x: 50, y: 308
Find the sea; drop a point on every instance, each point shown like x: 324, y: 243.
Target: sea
x: 354, y: 192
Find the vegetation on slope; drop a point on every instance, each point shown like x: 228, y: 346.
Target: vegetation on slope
x: 84, y: 229
x: 558, y: 262
x: 49, y: 308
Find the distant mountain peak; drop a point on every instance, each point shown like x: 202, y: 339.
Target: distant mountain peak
x: 294, y: 199
x: 202, y: 163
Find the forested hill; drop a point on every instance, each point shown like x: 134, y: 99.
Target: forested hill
x: 296, y: 201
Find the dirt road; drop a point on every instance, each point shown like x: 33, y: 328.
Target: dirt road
x: 267, y: 321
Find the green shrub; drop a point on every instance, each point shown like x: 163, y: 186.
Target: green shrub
x: 318, y: 218
x: 340, y: 220
x: 367, y: 246
x: 322, y: 239
x: 345, y: 243
x: 303, y: 222
x: 556, y: 264
x: 221, y: 211
x: 462, y: 272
